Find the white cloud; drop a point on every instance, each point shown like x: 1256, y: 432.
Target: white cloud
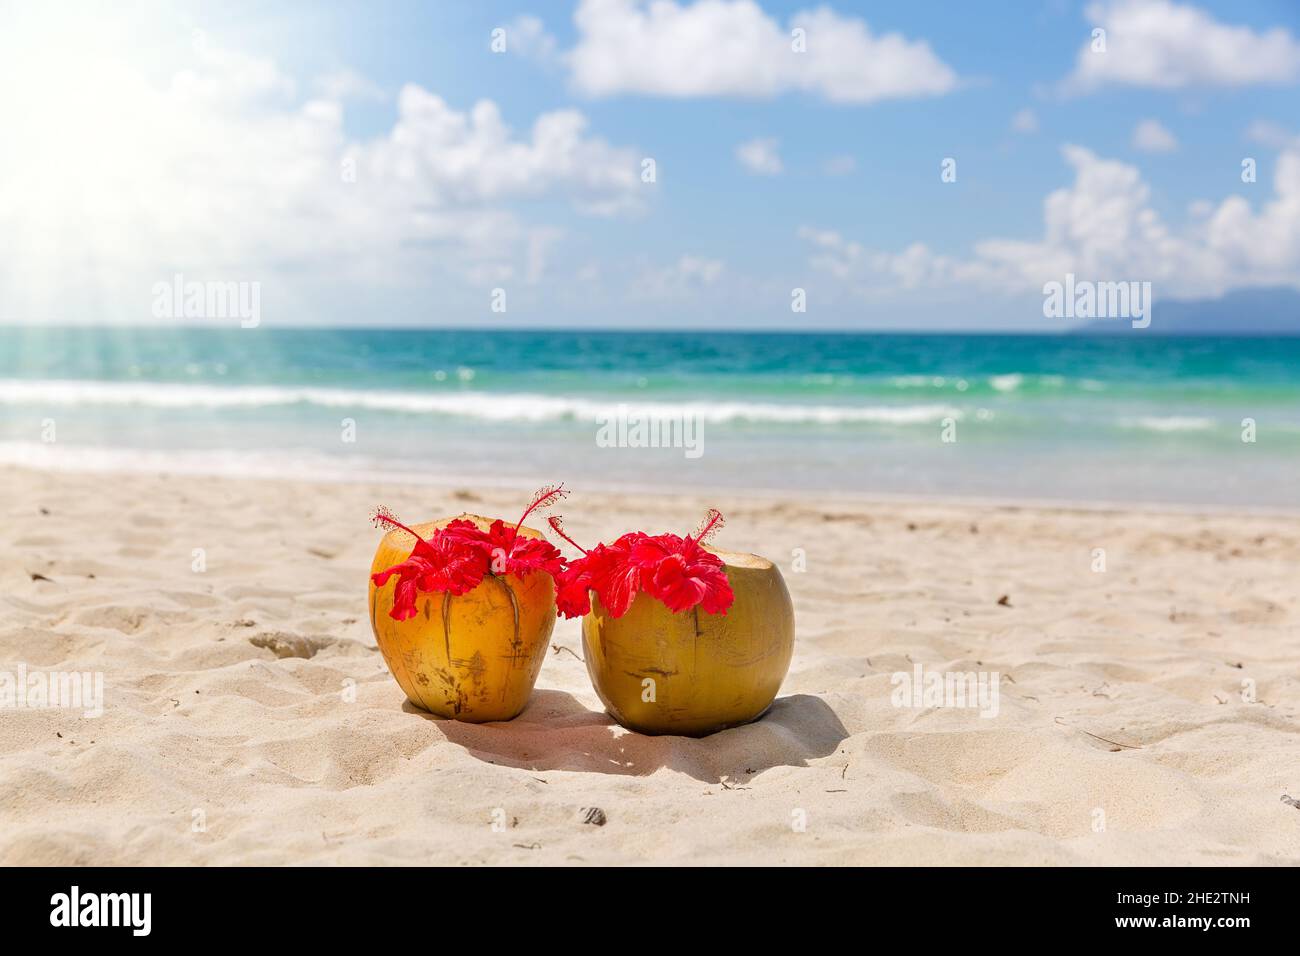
x: 1025, y: 121
x: 685, y: 277
x: 1272, y: 135
x: 760, y: 156
x: 447, y: 157
x: 348, y: 84
x: 833, y: 253
x: 1101, y: 227
x: 696, y: 268
x: 733, y: 48
x: 845, y: 259
x: 1164, y: 45
x: 527, y: 36
x: 112, y: 182
x: 1151, y: 136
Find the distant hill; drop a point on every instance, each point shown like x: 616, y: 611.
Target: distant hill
x: 1244, y: 312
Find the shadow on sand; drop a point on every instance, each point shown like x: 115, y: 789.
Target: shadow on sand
x: 556, y: 732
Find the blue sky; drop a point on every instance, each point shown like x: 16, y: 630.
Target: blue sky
x: 234, y: 168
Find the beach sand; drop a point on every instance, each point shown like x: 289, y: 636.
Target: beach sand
x: 1147, y: 713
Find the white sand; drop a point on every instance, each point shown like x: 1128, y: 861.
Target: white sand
x: 213, y: 749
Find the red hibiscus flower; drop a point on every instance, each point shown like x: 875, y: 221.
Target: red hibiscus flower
x: 445, y: 563
x: 573, y: 586
x: 512, y: 554
x: 460, y: 554
x: 690, y: 577
x: 573, y: 590
x: 672, y: 569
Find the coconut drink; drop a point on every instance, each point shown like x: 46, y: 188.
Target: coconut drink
x: 465, y: 627
x: 680, y: 637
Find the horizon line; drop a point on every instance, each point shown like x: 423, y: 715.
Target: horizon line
x: 1086, y: 330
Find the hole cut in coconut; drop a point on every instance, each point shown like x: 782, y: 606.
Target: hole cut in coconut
x: 739, y: 559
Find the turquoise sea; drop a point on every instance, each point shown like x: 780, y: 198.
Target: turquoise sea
x: 1118, y: 418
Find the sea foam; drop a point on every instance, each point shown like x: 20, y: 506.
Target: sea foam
x: 489, y: 406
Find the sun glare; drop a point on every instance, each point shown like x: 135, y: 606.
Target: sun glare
x: 80, y: 128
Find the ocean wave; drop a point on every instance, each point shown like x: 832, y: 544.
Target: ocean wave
x: 487, y: 406
x: 1168, y: 423
x: 918, y: 381
x: 277, y: 463
x: 1008, y: 382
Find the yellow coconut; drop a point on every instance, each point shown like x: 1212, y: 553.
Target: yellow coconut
x: 472, y: 657
x: 694, y: 673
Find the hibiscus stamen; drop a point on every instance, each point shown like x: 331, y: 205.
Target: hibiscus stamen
x: 544, y: 498
x: 557, y: 525
x: 711, y: 525
x: 385, y: 518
